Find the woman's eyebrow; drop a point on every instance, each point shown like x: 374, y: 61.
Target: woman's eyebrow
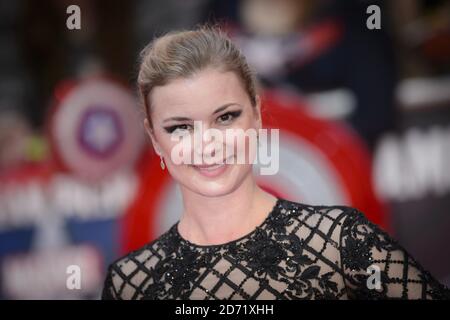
x: 221, y: 108
x: 225, y: 106
x: 177, y: 119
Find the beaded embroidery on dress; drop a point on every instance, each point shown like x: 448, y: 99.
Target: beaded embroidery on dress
x: 300, y: 251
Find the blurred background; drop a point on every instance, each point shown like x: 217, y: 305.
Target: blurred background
x: 364, y: 118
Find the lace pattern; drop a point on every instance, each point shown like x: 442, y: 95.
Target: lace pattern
x: 299, y: 252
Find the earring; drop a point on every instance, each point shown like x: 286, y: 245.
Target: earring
x: 163, y: 165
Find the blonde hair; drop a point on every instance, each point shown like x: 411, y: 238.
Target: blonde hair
x: 181, y: 54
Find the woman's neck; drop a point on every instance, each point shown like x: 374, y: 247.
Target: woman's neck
x: 216, y: 220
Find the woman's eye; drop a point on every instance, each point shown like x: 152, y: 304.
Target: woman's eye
x: 180, y: 127
x: 228, y: 117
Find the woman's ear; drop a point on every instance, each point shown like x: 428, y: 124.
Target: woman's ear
x: 151, y: 134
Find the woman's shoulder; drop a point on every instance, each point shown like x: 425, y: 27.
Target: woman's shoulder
x: 154, y: 250
x: 322, y: 217
x: 343, y: 221
x: 322, y: 227
x: 127, y: 274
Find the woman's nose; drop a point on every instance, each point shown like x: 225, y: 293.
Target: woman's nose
x: 207, y: 141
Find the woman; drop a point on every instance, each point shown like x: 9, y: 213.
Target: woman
x: 234, y: 240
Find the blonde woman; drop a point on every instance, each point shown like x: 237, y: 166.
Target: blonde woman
x: 234, y: 240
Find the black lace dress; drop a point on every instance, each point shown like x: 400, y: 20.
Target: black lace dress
x: 299, y: 252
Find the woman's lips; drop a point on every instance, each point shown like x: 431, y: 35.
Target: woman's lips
x: 213, y: 170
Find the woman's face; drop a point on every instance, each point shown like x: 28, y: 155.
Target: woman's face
x: 210, y: 99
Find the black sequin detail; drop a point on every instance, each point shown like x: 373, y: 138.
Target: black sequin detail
x: 299, y: 252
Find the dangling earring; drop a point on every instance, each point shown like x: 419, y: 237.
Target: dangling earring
x: 163, y: 165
